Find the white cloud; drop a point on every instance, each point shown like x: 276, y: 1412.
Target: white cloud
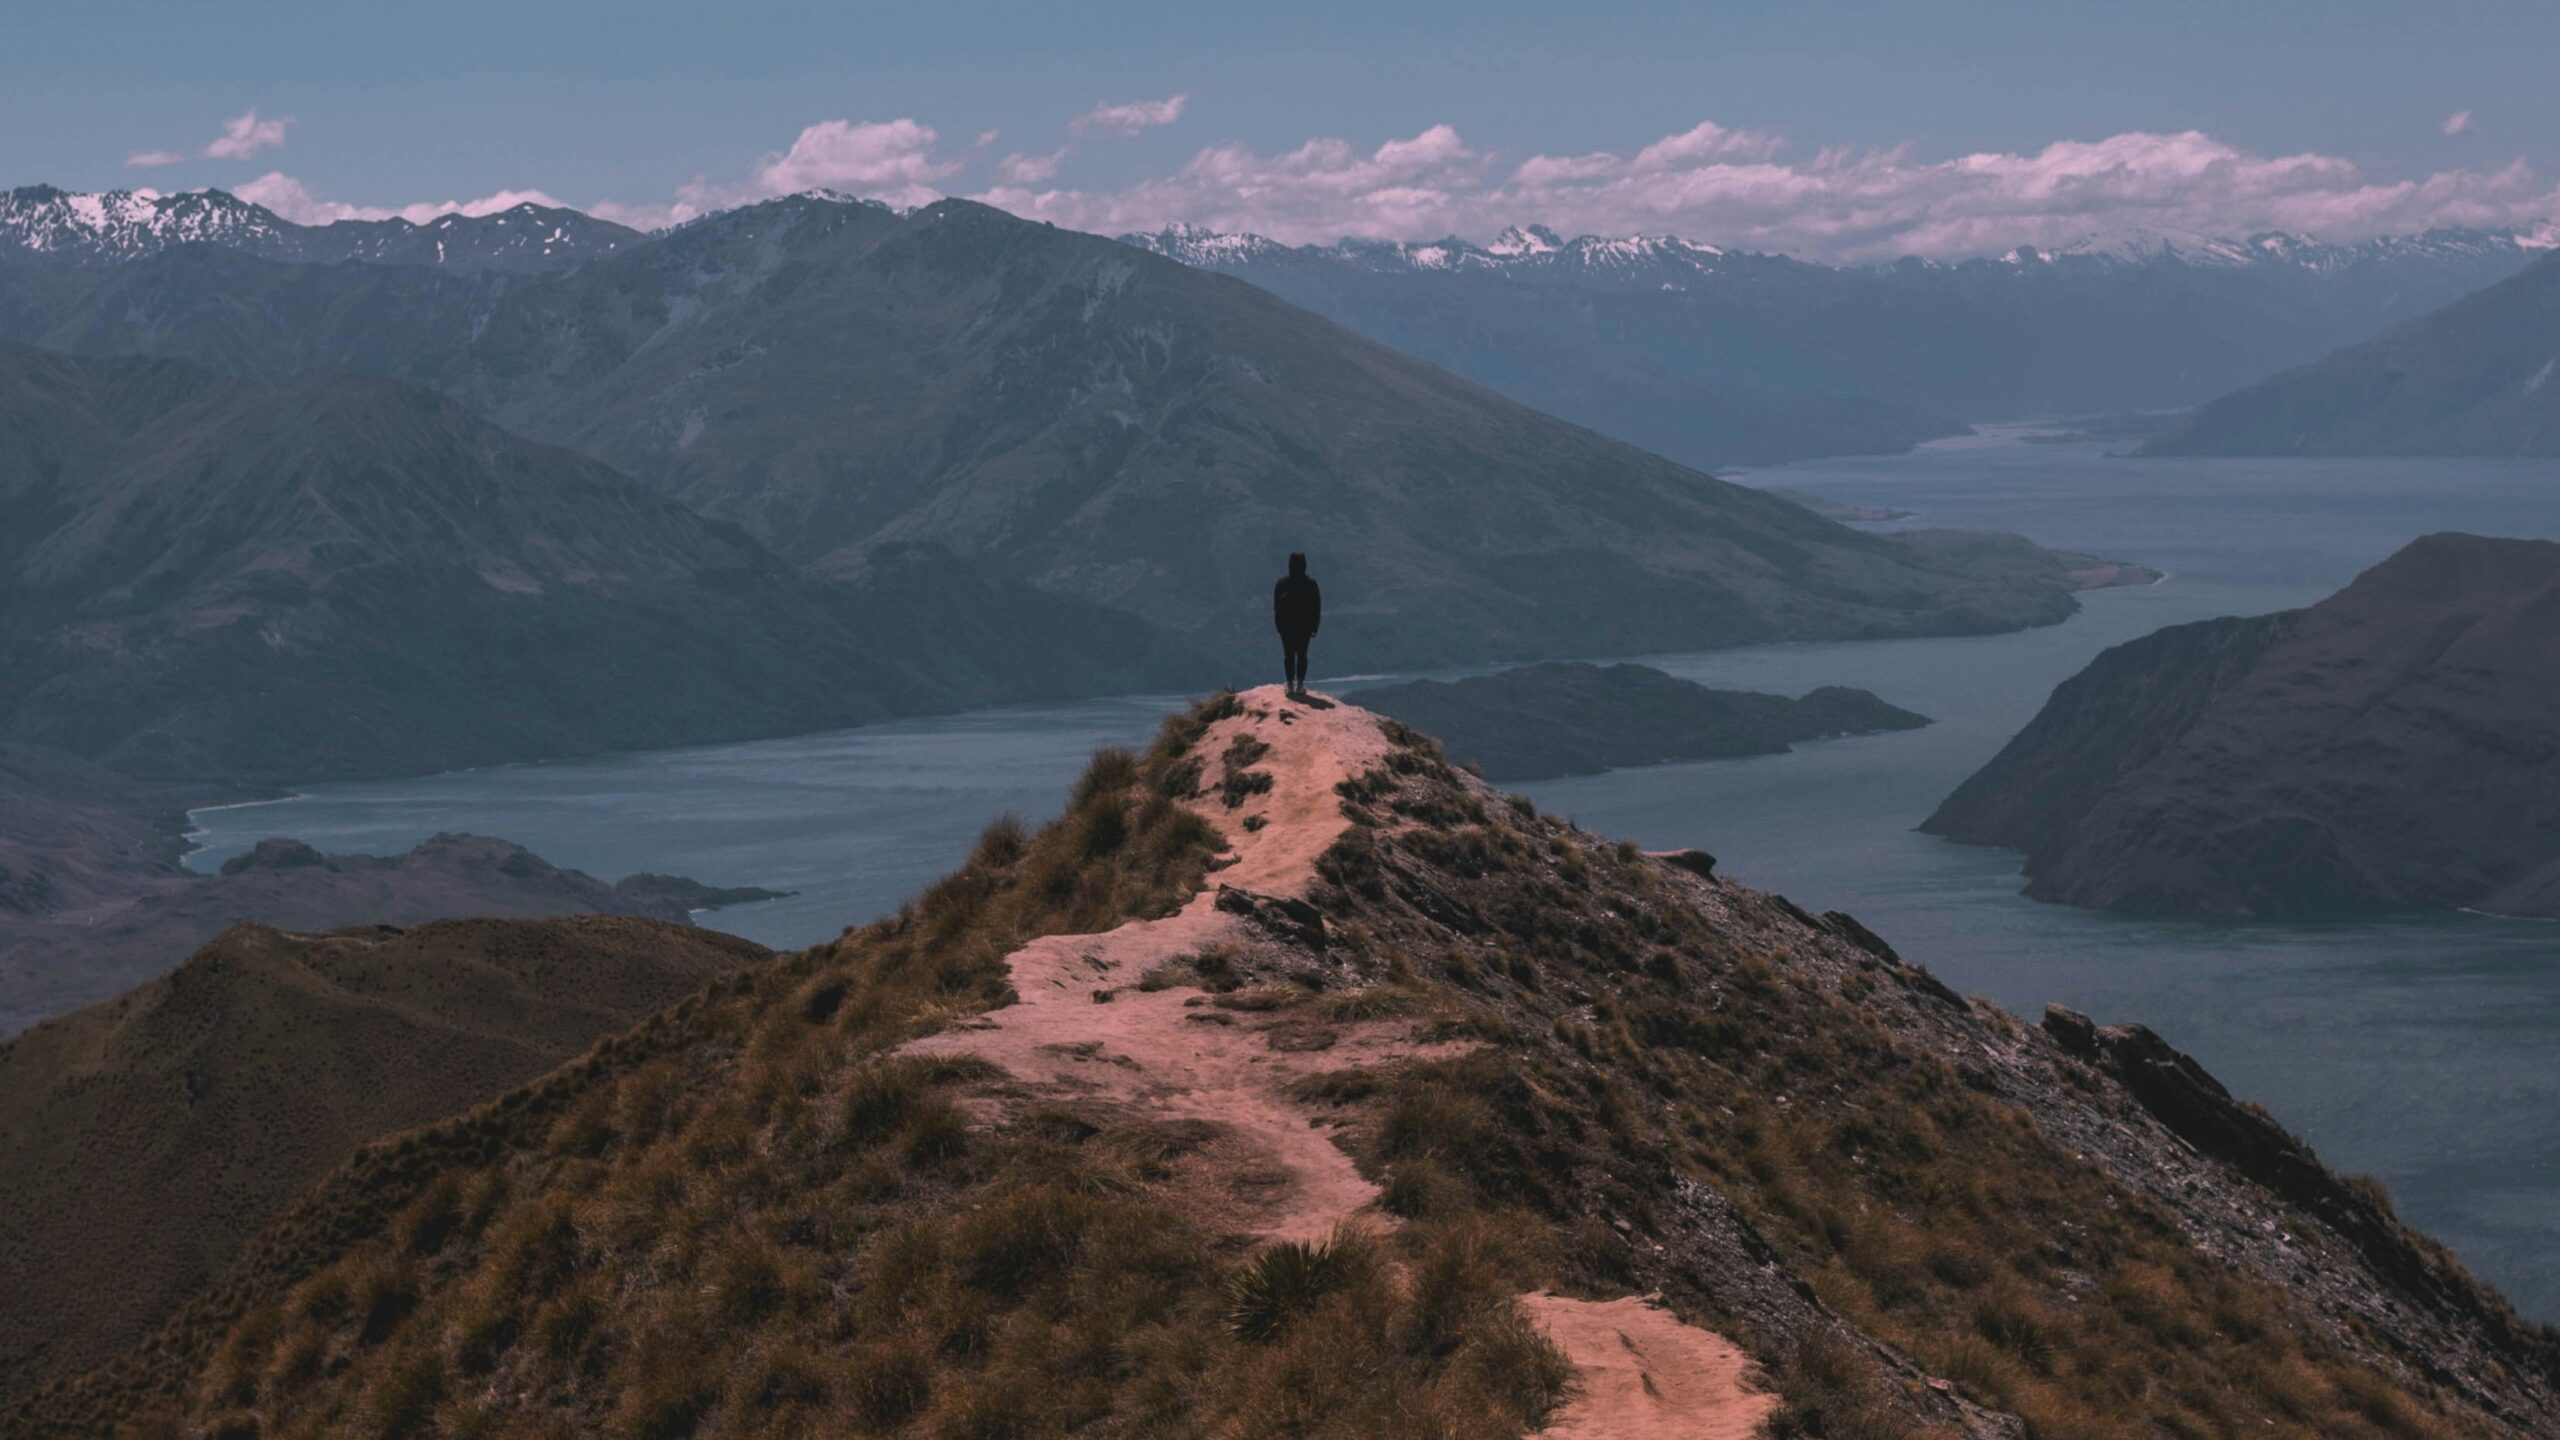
x: 294, y: 201
x: 1131, y: 118
x: 246, y: 135
x: 1420, y: 185
x: 891, y: 161
x: 1030, y: 169
x: 1705, y: 142
x: 1734, y: 187
x: 2458, y: 123
x: 153, y: 159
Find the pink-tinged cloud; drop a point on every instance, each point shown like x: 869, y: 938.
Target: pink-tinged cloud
x: 1707, y: 141
x: 1030, y: 169
x: 1402, y: 187
x: 1131, y: 118
x: 154, y: 159
x: 293, y: 200
x: 1732, y: 187
x: 246, y: 135
x: 2458, y: 123
x: 891, y: 161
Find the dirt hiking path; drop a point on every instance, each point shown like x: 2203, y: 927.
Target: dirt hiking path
x: 1082, y: 1030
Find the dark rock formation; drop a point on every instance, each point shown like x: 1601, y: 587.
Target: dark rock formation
x: 2389, y: 748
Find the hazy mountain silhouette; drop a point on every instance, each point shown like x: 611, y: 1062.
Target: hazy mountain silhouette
x: 2479, y: 377
x: 1715, y: 357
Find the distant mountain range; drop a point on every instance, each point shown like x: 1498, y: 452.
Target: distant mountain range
x: 2388, y: 748
x: 865, y: 392
x: 42, y: 223
x: 1713, y: 356
x: 1706, y: 355
x: 2479, y: 377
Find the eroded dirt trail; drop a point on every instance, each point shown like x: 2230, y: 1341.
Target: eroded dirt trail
x: 1167, y: 1054
x: 1083, y: 1031
x: 1646, y: 1376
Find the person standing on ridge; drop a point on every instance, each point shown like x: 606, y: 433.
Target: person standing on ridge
x: 1297, y: 608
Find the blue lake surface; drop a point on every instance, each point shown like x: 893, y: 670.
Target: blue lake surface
x: 2422, y: 1049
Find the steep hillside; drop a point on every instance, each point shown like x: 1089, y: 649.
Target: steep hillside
x: 208, y: 579
x: 1714, y: 356
x: 144, y: 1139
x: 1118, y: 429
x: 2474, y: 378
x: 1295, y: 1083
x: 2388, y: 748
x: 1565, y: 718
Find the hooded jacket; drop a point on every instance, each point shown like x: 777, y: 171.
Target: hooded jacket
x: 1297, y: 606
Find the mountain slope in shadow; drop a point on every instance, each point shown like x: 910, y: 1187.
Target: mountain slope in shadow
x: 208, y: 579
x: 144, y: 1139
x: 2479, y: 377
x: 2388, y: 748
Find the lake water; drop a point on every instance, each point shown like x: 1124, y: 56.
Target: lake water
x: 2424, y: 1050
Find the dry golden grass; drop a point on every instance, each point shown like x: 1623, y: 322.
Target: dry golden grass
x: 752, y: 1217
x: 1633, y: 1042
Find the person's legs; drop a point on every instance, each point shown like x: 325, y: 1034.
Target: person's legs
x: 1293, y: 661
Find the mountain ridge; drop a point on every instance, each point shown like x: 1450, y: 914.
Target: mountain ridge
x: 2474, y: 378
x: 49, y: 225
x: 1716, y: 356
x: 1550, y: 1076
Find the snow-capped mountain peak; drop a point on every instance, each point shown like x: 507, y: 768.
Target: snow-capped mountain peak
x: 1525, y: 240
x: 110, y: 227
x: 106, y: 227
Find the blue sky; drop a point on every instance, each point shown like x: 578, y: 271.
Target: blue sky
x: 633, y: 103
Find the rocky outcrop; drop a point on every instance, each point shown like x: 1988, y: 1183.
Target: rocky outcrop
x: 2388, y: 748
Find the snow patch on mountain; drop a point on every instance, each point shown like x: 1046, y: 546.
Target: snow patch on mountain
x: 114, y: 226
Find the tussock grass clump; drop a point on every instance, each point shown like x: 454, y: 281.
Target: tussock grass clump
x: 1289, y: 1279
x: 1238, y: 781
